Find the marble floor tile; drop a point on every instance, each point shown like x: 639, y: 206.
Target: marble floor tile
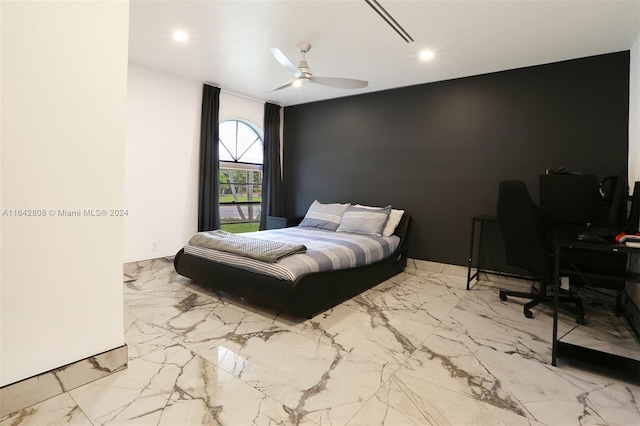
x: 52, y: 383
x: 410, y: 400
x: 143, y: 338
x: 292, y: 368
x: 385, y: 326
x: 502, y: 325
x: 175, y: 386
x: 416, y: 349
x: 162, y: 306
x: 610, y: 338
x: 605, y: 331
x: 368, y: 335
x: 135, y: 268
x: 59, y: 410
x: 453, y: 359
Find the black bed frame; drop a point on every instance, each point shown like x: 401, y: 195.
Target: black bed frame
x: 308, y: 295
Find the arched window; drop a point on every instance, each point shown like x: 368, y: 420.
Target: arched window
x: 241, y: 151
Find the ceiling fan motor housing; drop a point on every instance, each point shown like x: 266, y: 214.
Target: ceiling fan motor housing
x: 304, y: 69
x: 303, y: 47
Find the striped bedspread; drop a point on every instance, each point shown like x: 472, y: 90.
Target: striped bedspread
x: 256, y: 248
x: 326, y: 251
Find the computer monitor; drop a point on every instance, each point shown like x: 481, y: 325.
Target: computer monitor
x: 617, y: 208
x: 571, y: 198
x: 633, y: 223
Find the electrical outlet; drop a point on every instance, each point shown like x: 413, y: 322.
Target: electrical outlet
x: 154, y: 246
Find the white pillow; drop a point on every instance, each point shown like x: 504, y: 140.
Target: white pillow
x: 392, y: 222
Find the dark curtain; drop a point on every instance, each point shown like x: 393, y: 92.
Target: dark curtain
x: 208, y: 198
x: 272, y: 203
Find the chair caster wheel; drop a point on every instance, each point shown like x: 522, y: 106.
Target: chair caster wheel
x: 503, y: 297
x: 528, y: 313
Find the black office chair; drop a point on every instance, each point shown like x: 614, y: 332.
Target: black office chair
x: 527, y: 233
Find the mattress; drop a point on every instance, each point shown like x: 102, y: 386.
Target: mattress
x: 326, y: 251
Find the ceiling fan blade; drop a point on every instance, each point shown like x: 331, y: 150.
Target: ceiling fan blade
x: 285, y: 62
x: 340, y: 83
x: 284, y: 86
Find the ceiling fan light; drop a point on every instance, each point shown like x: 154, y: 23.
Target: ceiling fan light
x: 299, y: 82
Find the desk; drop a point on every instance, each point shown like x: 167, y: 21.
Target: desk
x: 611, y: 361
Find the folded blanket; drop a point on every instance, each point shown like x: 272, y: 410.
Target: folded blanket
x: 255, y: 248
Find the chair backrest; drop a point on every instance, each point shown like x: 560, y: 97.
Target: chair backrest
x: 525, y: 228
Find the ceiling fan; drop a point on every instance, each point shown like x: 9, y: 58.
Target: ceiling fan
x: 303, y: 74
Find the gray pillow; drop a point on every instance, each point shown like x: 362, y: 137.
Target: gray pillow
x: 324, y: 216
x: 360, y: 220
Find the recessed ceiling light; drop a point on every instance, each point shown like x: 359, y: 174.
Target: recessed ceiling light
x: 426, y: 55
x: 180, y: 36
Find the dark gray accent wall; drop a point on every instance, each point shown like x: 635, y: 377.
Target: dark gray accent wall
x: 439, y: 150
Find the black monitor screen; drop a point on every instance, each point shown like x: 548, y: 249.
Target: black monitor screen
x: 618, y: 204
x: 633, y: 224
x: 570, y: 198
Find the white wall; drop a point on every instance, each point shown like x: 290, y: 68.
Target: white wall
x: 234, y: 106
x: 63, y: 131
x: 161, y: 162
x: 633, y: 289
x: 162, y: 154
x: 634, y: 113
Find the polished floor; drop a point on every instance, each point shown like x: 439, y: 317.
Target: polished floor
x: 415, y: 350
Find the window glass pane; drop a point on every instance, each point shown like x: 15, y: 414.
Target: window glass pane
x: 237, y: 213
x: 227, y: 131
x: 238, y: 186
x: 240, y: 180
x: 253, y: 153
x: 249, y: 145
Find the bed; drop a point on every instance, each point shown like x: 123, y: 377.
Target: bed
x: 305, y: 294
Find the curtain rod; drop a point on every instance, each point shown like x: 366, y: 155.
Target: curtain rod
x: 242, y: 96
x: 229, y: 92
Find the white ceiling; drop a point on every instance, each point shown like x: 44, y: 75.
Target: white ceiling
x: 230, y: 41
